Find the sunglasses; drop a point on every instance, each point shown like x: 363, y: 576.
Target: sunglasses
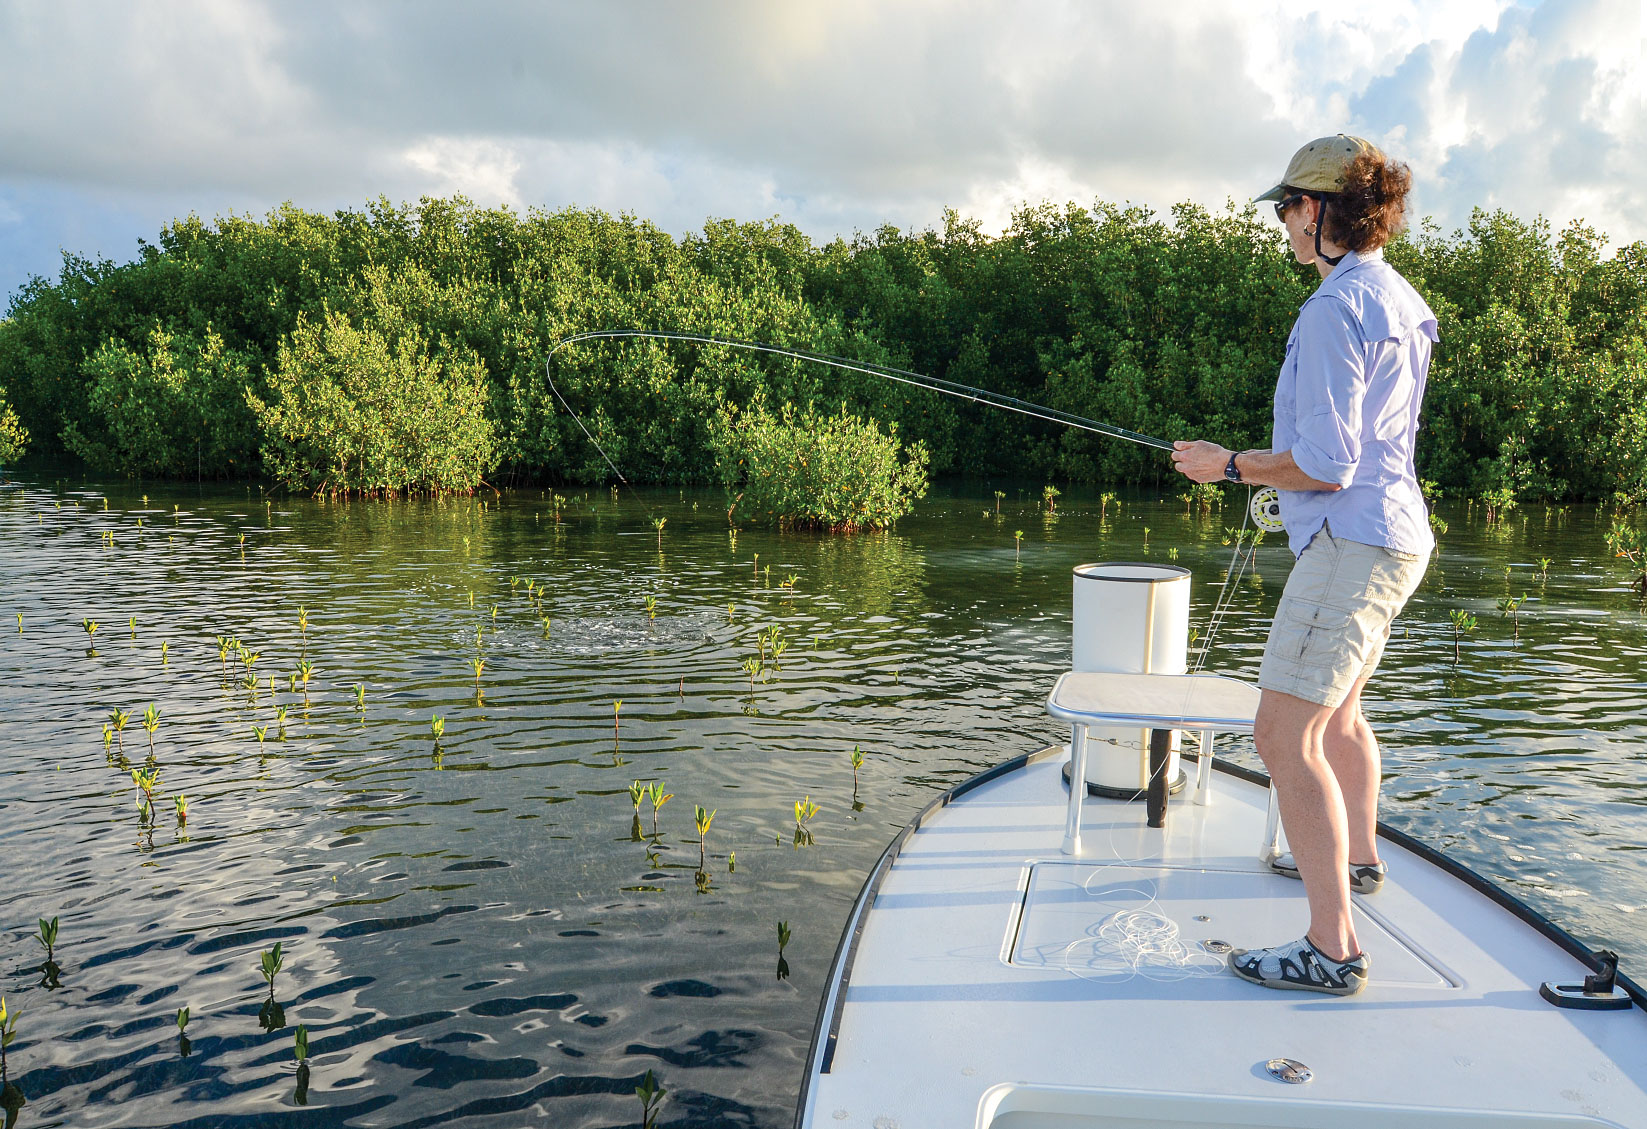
x: 1286, y: 202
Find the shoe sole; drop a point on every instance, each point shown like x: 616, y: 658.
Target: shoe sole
x: 1289, y: 986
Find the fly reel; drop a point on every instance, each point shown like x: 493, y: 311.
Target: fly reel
x: 1266, y: 509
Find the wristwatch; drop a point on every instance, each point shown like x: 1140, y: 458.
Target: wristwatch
x: 1231, y: 471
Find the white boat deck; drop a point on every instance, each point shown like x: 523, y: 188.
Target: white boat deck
x: 985, y: 992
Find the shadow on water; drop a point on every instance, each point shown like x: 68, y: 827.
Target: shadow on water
x: 500, y: 921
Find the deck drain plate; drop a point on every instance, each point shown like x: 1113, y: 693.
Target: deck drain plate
x: 1288, y: 1070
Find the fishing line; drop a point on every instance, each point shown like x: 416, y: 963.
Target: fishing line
x: 870, y: 368
x: 1263, y: 506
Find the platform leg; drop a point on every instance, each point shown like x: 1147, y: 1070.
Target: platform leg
x: 1272, y: 831
x: 1155, y: 797
x: 1203, y: 768
x: 1077, y: 788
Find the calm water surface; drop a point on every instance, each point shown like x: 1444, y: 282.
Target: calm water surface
x: 479, y: 933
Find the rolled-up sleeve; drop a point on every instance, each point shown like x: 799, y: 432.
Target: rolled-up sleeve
x: 1331, y: 385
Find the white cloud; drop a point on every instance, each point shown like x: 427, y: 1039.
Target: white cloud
x: 836, y: 115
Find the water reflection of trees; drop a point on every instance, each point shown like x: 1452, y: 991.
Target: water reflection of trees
x: 880, y: 573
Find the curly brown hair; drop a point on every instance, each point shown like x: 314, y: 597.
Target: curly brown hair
x: 1371, y: 207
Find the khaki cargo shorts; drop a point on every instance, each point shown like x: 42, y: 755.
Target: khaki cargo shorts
x: 1335, y: 616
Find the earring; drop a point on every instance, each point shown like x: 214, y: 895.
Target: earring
x: 1309, y: 229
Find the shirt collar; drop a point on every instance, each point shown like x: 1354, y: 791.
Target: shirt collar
x: 1346, y: 265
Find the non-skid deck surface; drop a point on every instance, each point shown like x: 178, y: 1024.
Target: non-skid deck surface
x: 991, y: 987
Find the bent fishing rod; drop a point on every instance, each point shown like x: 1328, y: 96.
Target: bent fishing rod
x: 1265, y: 505
x: 1263, y: 509
x: 870, y: 368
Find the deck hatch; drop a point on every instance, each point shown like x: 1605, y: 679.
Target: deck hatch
x: 1067, y: 906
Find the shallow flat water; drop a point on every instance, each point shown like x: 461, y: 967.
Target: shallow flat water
x: 477, y: 933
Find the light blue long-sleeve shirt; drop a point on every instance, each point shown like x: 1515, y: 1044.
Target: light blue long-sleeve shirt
x: 1346, y: 406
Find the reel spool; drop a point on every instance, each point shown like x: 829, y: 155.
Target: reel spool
x: 1266, y: 509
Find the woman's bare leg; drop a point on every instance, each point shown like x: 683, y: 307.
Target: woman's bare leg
x: 1352, y: 752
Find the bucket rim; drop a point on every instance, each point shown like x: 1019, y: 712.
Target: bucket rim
x: 1170, y: 573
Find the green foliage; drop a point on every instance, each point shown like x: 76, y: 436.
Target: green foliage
x: 357, y: 410
x: 808, y: 470
x: 175, y: 406
x: 14, y: 437
x: 400, y: 348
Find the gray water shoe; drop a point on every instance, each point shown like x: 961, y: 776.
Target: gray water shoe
x: 1300, y: 967
x: 1363, y: 879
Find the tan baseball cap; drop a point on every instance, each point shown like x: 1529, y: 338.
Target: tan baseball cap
x: 1319, y: 166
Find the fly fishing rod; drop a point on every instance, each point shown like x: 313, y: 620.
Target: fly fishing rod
x: 1265, y: 504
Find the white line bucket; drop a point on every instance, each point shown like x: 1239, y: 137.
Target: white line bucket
x: 1129, y: 618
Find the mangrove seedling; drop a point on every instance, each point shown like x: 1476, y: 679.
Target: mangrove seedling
x: 651, y: 1097
x: 805, y: 809
x: 146, y: 780
x: 637, y: 793
x: 731, y: 610
x: 471, y: 599
x: 120, y: 717
x: 1017, y: 543
x: 302, y: 621
x: 132, y: 623
x: 857, y: 763
x: 8, y: 1032
x: 437, y: 727
x: 703, y: 819
x: 546, y: 627
x: 360, y: 695
x: 280, y: 722
x: 108, y: 736
x: 1630, y: 543
x: 183, y: 1044
x: 301, y: 1043
x: 1049, y: 495
x: 270, y: 963
x: 1146, y: 536
x: 47, y: 936
x: 732, y: 863
x: 182, y: 1020
x: 783, y: 943
x: 1511, y: 606
x: 305, y: 671
x: 151, y: 722
x: 1463, y: 621
x: 658, y: 524
x: 999, y: 495
x: 752, y: 666
x: 616, y: 707
x: 659, y: 798
x: 261, y: 732
x: 181, y: 803
x: 165, y: 647
x: 224, y: 645
x: 1438, y: 525
x: 478, y: 665
x: 291, y: 683
x: 1105, y: 501
x: 651, y: 607
x: 1543, y: 569
x: 90, y: 627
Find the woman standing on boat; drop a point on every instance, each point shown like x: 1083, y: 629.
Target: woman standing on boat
x: 1346, y: 415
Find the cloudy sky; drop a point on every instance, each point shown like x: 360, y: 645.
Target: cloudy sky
x: 837, y: 115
